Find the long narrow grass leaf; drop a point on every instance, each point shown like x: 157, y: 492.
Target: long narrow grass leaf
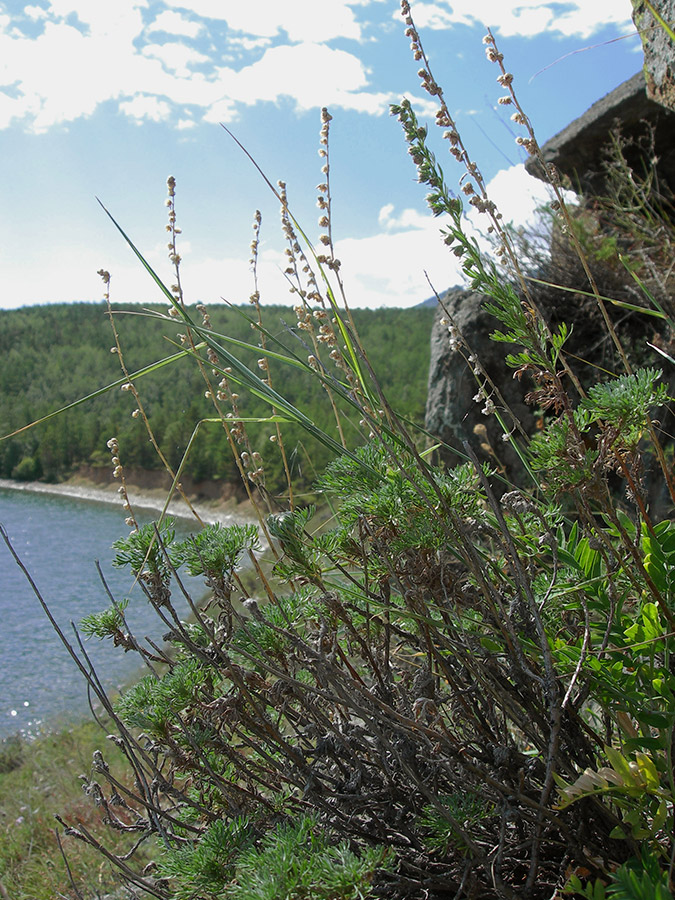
x: 353, y: 357
x: 146, y: 370
x: 662, y: 22
x: 660, y: 314
x: 648, y: 294
x: 662, y: 352
x: 146, y: 265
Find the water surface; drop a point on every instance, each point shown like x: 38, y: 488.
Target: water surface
x: 59, y: 539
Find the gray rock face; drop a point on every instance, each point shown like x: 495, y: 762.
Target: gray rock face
x: 578, y: 151
x: 452, y: 413
x: 659, y: 51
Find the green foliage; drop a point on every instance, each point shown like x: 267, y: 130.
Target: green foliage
x: 266, y: 636
x: 562, y: 457
x: 154, y: 705
x: 38, y: 780
x: 444, y: 819
x: 300, y: 861
x: 209, y: 865
x: 301, y: 554
x: 640, y: 880
x: 637, y: 879
x: 28, y: 469
x: 145, y: 551
x: 79, y: 339
x: 659, y: 548
x: 108, y: 623
x: 626, y: 402
x: 394, y: 495
x: 216, y: 550
x: 11, y: 753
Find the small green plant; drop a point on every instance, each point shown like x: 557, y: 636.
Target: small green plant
x: 11, y: 753
x: 299, y: 861
x: 40, y: 779
x: 143, y: 550
x: 108, y: 623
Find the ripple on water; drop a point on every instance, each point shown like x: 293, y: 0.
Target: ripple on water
x: 59, y: 539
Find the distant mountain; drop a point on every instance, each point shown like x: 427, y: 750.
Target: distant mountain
x: 430, y: 301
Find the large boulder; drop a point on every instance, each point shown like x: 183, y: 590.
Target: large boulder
x: 456, y: 408
x: 659, y: 50
x: 457, y: 411
x: 579, y: 151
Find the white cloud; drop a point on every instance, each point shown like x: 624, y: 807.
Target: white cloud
x: 517, y: 195
x: 10, y: 109
x: 302, y: 20
x: 175, y: 57
x: 248, y: 43
x: 49, y: 91
x: 144, y: 107
x: 313, y: 75
x: 527, y: 18
x: 407, y: 219
x: 222, y: 110
x: 109, y: 60
x: 424, y: 105
x: 388, y: 269
x: 174, y: 23
x: 35, y: 12
x: 102, y: 63
x: 430, y: 15
x: 214, y: 280
x: 124, y: 16
x: 385, y: 213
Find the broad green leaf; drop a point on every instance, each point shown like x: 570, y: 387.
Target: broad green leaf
x: 620, y: 764
x: 648, y: 771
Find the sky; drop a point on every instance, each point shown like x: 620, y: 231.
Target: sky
x: 106, y: 100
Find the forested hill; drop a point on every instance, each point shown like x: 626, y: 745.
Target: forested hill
x: 51, y: 356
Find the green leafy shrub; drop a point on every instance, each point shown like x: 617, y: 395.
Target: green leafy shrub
x: 27, y: 469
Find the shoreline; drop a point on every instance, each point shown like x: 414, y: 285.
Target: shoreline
x: 148, y: 500
x: 81, y: 488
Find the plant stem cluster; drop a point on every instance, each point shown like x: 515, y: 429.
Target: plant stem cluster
x: 449, y: 685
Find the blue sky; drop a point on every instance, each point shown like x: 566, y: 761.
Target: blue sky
x: 106, y: 100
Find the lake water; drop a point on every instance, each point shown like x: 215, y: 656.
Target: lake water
x: 59, y: 539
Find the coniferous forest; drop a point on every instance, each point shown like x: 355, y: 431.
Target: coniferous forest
x: 51, y: 356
